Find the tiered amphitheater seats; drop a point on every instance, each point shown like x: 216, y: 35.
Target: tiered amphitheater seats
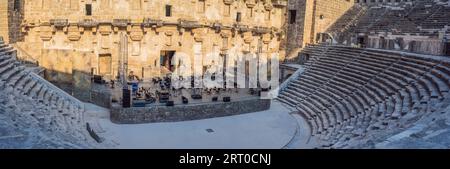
x: 340, y: 29
x: 350, y: 17
x: 346, y: 93
x: 365, y: 22
x: 421, y: 11
x: 424, y: 17
x: 439, y: 19
x: 394, y: 21
x: 55, y: 110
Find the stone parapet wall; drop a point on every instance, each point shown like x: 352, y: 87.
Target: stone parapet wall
x: 177, y: 113
x: 422, y: 45
x: 100, y: 98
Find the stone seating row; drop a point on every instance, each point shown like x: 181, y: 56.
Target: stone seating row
x: 57, y: 113
x: 350, y: 88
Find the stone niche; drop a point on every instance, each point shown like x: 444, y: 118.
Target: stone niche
x: 105, y: 39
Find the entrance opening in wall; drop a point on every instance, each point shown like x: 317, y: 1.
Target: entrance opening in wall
x: 382, y: 44
x: 306, y: 58
x: 303, y: 58
x: 166, y: 60
x: 88, y: 9
x: 447, y: 48
x: 292, y: 16
x: 168, y: 10
x: 361, y: 42
x: 104, y: 64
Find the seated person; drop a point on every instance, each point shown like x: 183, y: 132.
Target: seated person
x: 132, y: 77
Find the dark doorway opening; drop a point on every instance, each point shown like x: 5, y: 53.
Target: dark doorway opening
x: 16, y: 5
x: 88, y: 9
x: 303, y: 58
x: 292, y: 16
x: 168, y: 10
x: 382, y: 43
x: 306, y: 58
x: 238, y: 17
x: 361, y: 42
x: 447, y: 49
x: 166, y: 59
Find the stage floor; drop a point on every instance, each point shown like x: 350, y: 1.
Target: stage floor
x: 271, y: 129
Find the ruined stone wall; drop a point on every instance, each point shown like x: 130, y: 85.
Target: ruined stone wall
x: 408, y: 43
x: 11, y: 15
x: 137, y: 115
x: 4, y: 20
x: 68, y: 68
x: 100, y: 98
x: 295, y: 30
x: 195, y: 27
x: 327, y: 13
x: 15, y: 10
x: 313, y: 17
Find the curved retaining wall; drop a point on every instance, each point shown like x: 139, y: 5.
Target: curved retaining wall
x: 137, y: 115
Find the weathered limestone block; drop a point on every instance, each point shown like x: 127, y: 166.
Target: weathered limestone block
x: 248, y: 37
x: 228, y: 2
x: 87, y: 23
x: 148, y: 22
x: 59, y: 22
x: 81, y: 74
x: 46, y: 32
x: 120, y: 22
x: 104, y: 29
x: 105, y: 43
x: 58, y: 64
x: 267, y: 38
x: 250, y: 3
x: 199, y: 34
x: 136, y: 33
x: 268, y: 6
x: 73, y: 33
